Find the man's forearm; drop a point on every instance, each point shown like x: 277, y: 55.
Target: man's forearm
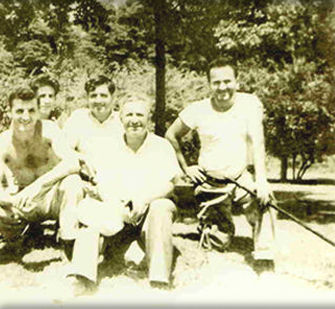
x: 60, y: 171
x: 176, y: 145
x: 259, y: 161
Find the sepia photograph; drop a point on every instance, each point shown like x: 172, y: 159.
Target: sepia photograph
x: 167, y: 153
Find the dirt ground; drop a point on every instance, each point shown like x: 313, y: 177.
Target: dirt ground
x: 33, y: 271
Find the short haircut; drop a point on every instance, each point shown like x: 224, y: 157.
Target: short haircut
x: 136, y: 100
x: 45, y: 80
x: 220, y: 63
x: 94, y: 82
x: 24, y: 93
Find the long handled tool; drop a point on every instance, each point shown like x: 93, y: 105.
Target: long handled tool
x: 292, y: 217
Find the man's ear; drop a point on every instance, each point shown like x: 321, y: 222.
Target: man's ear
x: 237, y: 86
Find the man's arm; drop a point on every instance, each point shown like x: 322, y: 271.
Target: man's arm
x: 71, y: 135
x: 256, y: 133
x: 141, y: 203
x: 174, y: 134
x: 7, y: 184
x: 68, y: 164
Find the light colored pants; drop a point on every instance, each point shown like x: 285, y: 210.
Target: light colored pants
x: 262, y: 222
x: 59, y: 203
x: 156, y: 233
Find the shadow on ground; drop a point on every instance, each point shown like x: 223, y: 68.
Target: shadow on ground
x: 300, y: 205
x: 14, y: 251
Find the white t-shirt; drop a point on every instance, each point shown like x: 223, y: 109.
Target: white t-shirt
x: 130, y: 174
x: 89, y: 136
x: 224, y: 136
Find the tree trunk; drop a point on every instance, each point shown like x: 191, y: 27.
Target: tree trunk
x: 160, y: 61
x: 283, y: 168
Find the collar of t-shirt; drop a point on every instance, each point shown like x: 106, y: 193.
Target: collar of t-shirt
x: 110, y: 118
x: 141, y: 149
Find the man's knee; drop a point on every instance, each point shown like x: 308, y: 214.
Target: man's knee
x: 73, y: 184
x: 162, y: 207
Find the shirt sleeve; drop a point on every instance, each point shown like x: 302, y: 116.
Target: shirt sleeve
x: 70, y: 130
x: 255, y: 115
x: 190, y: 115
x: 59, y: 142
x: 170, y: 166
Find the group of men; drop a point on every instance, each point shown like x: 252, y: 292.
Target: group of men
x: 104, y: 173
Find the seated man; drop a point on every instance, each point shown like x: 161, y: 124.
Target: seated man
x: 89, y: 130
x: 135, y: 187
x: 38, y: 171
x: 228, y: 123
x: 46, y: 89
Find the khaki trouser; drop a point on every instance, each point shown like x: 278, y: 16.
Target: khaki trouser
x: 58, y: 203
x: 156, y: 233
x: 262, y: 222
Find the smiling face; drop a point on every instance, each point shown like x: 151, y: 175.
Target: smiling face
x: 46, y: 96
x: 135, y: 117
x: 223, y: 85
x: 24, y: 115
x: 100, y: 102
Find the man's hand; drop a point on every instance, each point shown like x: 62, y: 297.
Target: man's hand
x: 264, y: 193
x: 88, y: 170
x: 92, y: 191
x: 139, y: 208
x: 195, y: 173
x: 35, y: 192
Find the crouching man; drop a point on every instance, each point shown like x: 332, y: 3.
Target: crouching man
x: 135, y: 189
x: 229, y: 124
x: 38, y: 172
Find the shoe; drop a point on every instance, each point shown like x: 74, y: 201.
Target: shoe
x: 80, y: 285
x: 160, y: 285
x: 264, y: 266
x: 136, y: 272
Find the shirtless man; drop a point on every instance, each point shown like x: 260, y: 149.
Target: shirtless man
x: 38, y: 171
x: 227, y: 123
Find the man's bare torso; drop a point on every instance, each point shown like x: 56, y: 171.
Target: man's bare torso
x: 28, y: 160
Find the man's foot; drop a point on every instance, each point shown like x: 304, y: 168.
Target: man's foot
x: 264, y: 266
x: 160, y: 285
x: 134, y: 271
x: 213, y: 238
x: 80, y: 285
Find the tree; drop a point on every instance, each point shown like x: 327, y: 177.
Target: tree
x: 287, y: 57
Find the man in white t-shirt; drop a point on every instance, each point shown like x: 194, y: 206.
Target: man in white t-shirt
x: 89, y: 130
x: 135, y: 189
x: 227, y: 123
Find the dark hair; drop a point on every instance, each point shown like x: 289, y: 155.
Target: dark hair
x: 94, y: 82
x: 23, y: 93
x: 45, y: 80
x: 220, y: 63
